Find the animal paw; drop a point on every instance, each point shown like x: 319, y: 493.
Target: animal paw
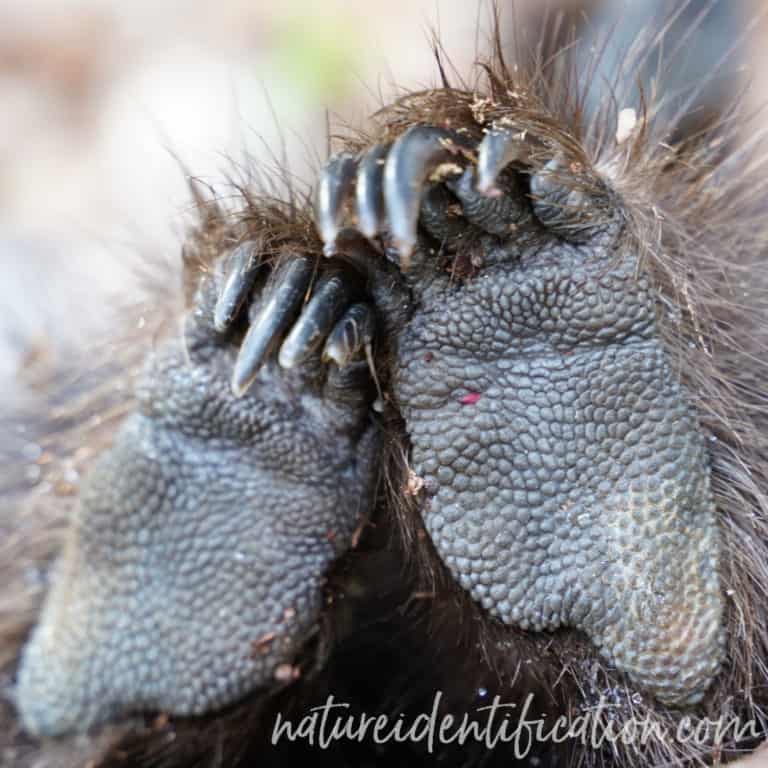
x: 569, y: 475
x: 194, y: 568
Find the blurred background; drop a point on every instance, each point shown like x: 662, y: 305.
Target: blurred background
x: 100, y: 100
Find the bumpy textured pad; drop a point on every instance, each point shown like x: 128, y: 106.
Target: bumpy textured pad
x: 194, y: 567
x: 569, y: 476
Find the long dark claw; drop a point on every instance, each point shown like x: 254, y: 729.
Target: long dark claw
x: 242, y: 267
x: 496, y: 215
x: 316, y: 321
x: 274, y: 315
x: 415, y: 156
x: 336, y: 182
x: 350, y: 335
x: 499, y: 148
x: 368, y: 191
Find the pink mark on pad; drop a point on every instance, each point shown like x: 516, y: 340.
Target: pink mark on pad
x: 470, y: 399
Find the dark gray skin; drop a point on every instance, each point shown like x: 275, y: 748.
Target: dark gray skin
x: 194, y: 567
x: 567, y: 474
x: 566, y: 478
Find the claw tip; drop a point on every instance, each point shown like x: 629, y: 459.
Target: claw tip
x: 237, y: 390
x: 286, y: 359
x: 221, y: 320
x: 240, y: 384
x: 487, y: 187
x: 333, y: 353
x: 367, y: 229
x: 405, y: 251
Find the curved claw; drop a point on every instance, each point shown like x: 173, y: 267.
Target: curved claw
x: 336, y: 181
x: 316, y: 321
x: 499, y: 148
x: 416, y: 155
x: 368, y: 190
x: 273, y: 316
x: 242, y: 267
x: 350, y: 335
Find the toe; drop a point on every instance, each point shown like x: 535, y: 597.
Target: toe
x: 337, y: 181
x: 272, y: 316
x: 317, y: 320
x: 240, y: 270
x: 418, y: 156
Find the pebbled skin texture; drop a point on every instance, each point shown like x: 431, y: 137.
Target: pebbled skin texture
x: 205, y: 529
x: 568, y: 477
